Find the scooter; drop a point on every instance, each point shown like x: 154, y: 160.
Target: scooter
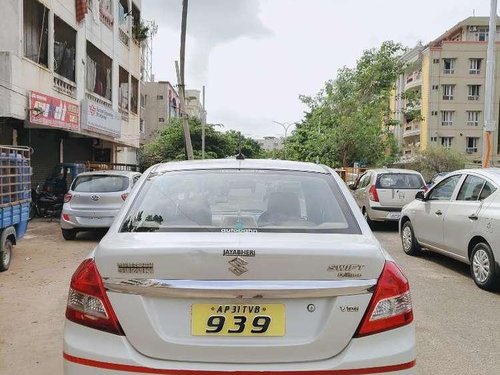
x: 45, y: 204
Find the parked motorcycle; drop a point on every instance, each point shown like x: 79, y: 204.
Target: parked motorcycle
x: 45, y: 203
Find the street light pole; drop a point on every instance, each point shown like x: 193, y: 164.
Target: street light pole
x: 285, y: 126
x: 489, y: 88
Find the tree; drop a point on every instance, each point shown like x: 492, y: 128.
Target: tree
x: 347, y: 120
x: 437, y: 159
x: 169, y: 145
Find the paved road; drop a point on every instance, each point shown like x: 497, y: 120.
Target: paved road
x: 458, y: 325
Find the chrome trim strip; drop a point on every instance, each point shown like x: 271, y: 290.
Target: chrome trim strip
x: 239, y: 289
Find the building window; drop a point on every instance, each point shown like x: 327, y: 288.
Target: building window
x: 449, y: 66
x: 471, y: 144
x: 141, y: 126
x: 447, y: 118
x: 434, y: 139
x: 123, y: 89
x: 64, y: 49
x: 134, y: 97
x: 161, y: 119
x: 98, y: 72
x: 36, y: 32
x: 448, y: 92
x: 480, y: 33
x: 159, y: 97
x: 446, y: 142
x: 122, y: 11
x: 473, y: 118
x: 475, y: 66
x: 473, y: 92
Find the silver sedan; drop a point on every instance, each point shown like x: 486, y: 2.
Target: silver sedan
x: 459, y: 217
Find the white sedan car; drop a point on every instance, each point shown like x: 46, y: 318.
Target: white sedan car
x: 250, y: 266
x: 459, y: 217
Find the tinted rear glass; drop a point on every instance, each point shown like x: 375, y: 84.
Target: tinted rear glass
x: 240, y: 201
x: 399, y: 181
x: 100, y: 184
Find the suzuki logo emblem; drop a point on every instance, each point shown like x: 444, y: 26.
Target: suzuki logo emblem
x: 95, y: 198
x: 238, y: 266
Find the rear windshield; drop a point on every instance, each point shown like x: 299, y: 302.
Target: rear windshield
x: 100, y: 184
x: 240, y: 201
x: 400, y: 181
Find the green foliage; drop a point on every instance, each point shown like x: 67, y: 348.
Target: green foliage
x: 169, y: 145
x: 438, y: 159
x: 348, y: 119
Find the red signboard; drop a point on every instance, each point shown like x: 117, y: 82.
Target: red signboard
x: 54, y: 112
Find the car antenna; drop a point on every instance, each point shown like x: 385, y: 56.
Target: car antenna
x: 240, y: 155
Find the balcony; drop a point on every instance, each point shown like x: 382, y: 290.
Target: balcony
x: 98, y: 99
x: 411, y: 129
x: 124, y: 38
x: 64, y: 86
x: 413, y: 80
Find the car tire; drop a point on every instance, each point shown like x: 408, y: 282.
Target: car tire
x: 69, y: 234
x: 409, y: 241
x: 370, y: 222
x: 483, y: 267
x: 6, y: 255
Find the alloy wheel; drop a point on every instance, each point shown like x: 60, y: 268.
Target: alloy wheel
x: 407, y: 238
x: 6, y: 253
x: 481, y: 265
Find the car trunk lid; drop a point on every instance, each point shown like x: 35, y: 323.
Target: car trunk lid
x: 165, y: 288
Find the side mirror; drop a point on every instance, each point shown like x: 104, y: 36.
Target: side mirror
x: 420, y: 196
x: 352, y: 185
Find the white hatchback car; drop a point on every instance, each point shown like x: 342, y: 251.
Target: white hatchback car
x: 382, y: 193
x: 250, y: 266
x: 459, y: 217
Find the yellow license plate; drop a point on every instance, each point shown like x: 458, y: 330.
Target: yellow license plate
x: 237, y: 320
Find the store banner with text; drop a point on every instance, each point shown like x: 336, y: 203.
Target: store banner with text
x: 54, y: 112
x: 100, y: 119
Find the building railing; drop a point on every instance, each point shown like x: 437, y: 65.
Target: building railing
x: 98, y: 99
x: 105, y: 17
x: 124, y: 38
x: 64, y: 86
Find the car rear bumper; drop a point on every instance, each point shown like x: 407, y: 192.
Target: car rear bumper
x: 379, y: 213
x: 89, y: 351
x: 73, y: 219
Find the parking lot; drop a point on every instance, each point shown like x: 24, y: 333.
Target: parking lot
x: 457, y: 323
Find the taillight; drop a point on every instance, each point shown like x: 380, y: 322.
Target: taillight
x: 67, y: 197
x: 124, y: 196
x: 65, y: 217
x: 390, y: 306
x: 373, y: 194
x: 88, y: 303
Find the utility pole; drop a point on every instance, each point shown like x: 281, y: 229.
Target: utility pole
x: 489, y: 88
x: 285, y: 126
x: 181, y: 82
x: 203, y: 123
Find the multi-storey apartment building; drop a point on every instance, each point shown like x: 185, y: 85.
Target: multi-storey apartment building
x: 69, y: 80
x: 161, y: 104
x: 439, y: 100
x: 194, y: 108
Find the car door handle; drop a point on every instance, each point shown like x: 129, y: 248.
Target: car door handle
x: 438, y: 212
x: 473, y: 217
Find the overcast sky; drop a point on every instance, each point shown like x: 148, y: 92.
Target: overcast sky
x: 257, y: 56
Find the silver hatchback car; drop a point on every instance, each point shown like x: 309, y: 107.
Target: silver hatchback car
x: 94, y: 199
x: 382, y: 193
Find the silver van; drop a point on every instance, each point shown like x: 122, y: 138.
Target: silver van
x: 382, y: 193
x: 94, y: 199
